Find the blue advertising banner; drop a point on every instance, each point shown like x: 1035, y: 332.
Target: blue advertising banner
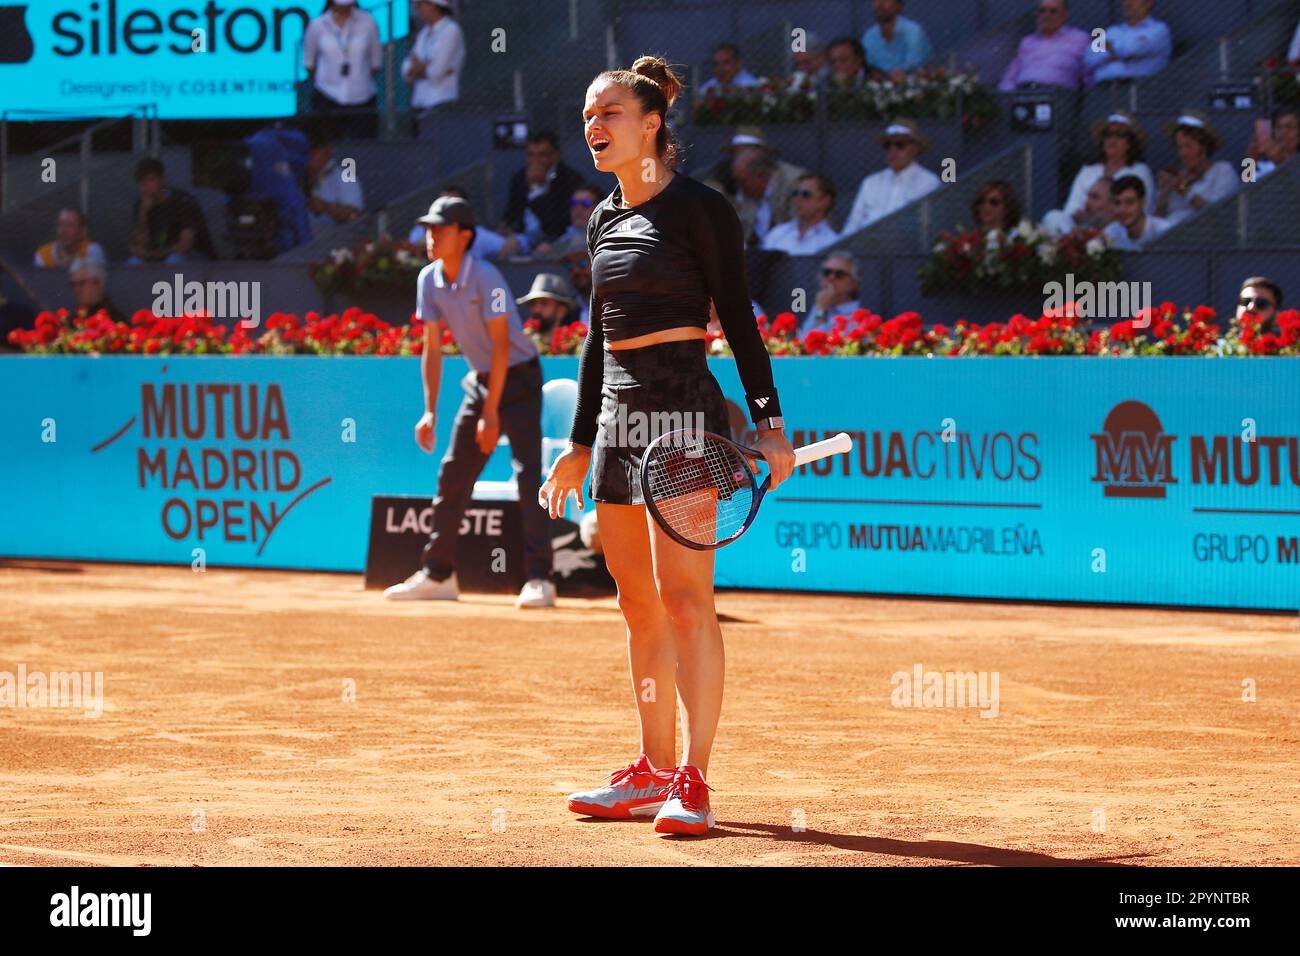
x: 192, y: 59
x: 1162, y: 481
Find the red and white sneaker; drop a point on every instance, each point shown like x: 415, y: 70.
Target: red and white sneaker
x: 687, y: 808
x: 638, y: 790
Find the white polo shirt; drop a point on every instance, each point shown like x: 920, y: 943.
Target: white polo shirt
x: 478, y: 295
x: 326, y: 47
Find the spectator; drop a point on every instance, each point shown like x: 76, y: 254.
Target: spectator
x: 848, y: 66
x: 1200, y: 181
x: 1282, y: 143
x: 995, y: 207
x: 1132, y: 228
x: 895, y: 44
x: 1051, y: 57
x: 809, y: 231
x: 1098, y: 211
x: 169, y: 223
x: 810, y: 66
x: 69, y: 244
x: 904, y: 181
x: 837, y: 294
x: 1140, y: 46
x: 548, y: 301
x: 335, y: 196
x: 343, y: 55
x: 1263, y: 297
x: 764, y: 182
x: 728, y: 71
x: 581, y: 204
x: 486, y: 244
x: 88, y: 277
x: 538, y: 207
x: 1121, y: 144
x: 437, y: 55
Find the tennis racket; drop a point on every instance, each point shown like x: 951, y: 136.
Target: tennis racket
x: 701, y: 488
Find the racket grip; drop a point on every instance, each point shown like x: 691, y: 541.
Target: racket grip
x: 835, y: 445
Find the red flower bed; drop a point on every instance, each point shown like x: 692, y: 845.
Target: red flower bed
x: 351, y: 332
x: 1165, y: 330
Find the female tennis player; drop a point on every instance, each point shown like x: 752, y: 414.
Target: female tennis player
x: 662, y: 246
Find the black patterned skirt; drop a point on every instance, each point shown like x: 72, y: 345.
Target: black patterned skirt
x: 647, y: 392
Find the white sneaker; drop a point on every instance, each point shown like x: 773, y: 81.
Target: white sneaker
x: 420, y: 587
x: 537, y: 592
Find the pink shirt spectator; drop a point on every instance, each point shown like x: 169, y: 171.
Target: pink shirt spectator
x: 1055, y: 60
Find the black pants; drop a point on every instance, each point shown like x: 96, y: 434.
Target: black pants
x: 520, y: 413
x: 346, y: 122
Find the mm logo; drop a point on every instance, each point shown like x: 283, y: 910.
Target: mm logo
x: 15, y: 41
x: 1133, y: 453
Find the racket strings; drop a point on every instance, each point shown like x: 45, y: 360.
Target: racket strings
x: 701, y: 488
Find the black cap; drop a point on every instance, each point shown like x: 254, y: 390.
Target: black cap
x: 449, y: 209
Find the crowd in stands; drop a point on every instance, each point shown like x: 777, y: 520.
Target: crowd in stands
x: 783, y: 207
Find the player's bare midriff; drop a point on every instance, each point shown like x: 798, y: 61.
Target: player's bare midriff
x: 677, y: 334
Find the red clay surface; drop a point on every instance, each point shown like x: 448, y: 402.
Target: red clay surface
x: 1121, y: 736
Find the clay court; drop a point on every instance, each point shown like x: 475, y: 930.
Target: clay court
x: 223, y: 693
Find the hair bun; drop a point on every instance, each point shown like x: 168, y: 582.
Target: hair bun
x: 656, y: 68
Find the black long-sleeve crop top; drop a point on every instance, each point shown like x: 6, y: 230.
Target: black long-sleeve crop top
x: 656, y: 266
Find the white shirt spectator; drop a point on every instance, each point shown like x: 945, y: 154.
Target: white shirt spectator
x: 883, y: 192
x: 327, y: 47
x: 1117, y: 234
x: 1219, y: 182
x: 742, y: 79
x: 442, y: 46
x: 787, y: 238
x: 1140, y: 50
x: 332, y: 187
x: 1084, y: 181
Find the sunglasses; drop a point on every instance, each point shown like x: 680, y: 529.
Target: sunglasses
x: 835, y: 274
x: 989, y: 201
x: 582, y: 263
x: 584, y: 203
x: 805, y: 194
x: 896, y: 143
x: 1256, y: 301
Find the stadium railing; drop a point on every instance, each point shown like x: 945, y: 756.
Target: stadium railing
x: 90, y: 169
